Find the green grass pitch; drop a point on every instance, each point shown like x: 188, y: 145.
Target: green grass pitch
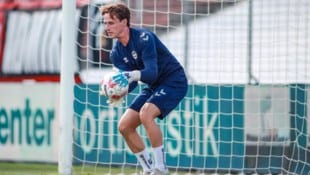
x: 52, y: 169
x: 13, y: 168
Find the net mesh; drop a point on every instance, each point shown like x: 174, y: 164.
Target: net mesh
x: 246, y: 110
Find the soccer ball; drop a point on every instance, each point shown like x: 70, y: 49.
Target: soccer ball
x: 111, y: 89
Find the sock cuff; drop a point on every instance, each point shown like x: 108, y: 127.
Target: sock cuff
x: 158, y: 148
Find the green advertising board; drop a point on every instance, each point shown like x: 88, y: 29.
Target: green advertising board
x: 205, y: 131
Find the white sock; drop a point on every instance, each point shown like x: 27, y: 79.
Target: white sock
x: 145, y: 160
x: 159, y: 157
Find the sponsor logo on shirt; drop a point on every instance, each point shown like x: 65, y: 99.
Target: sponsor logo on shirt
x: 144, y: 36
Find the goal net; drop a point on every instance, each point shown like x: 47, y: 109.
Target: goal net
x: 246, y: 109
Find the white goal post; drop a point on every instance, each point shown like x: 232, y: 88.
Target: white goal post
x: 66, y: 112
x: 247, y: 107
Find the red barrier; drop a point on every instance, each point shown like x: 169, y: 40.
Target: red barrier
x: 6, y: 7
x: 2, y: 36
x: 35, y: 4
x: 37, y: 78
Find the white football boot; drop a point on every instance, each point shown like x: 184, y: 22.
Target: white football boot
x: 159, y: 172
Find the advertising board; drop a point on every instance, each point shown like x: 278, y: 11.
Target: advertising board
x: 28, y: 122
x: 203, y: 131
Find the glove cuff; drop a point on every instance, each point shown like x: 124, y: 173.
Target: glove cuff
x: 135, y: 75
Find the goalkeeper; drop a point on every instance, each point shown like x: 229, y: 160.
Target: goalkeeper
x: 141, y: 56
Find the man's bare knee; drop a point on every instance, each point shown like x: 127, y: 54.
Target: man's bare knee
x: 124, y: 128
x: 129, y: 122
x: 145, y: 117
x: 148, y: 113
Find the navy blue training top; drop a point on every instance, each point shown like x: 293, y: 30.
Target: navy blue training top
x: 145, y: 52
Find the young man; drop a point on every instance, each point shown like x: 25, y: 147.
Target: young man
x: 141, y: 56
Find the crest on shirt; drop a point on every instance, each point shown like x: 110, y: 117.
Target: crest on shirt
x: 134, y: 54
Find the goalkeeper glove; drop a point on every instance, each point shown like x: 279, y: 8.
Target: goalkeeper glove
x: 124, y: 78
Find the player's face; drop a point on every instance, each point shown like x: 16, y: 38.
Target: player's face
x: 113, y: 26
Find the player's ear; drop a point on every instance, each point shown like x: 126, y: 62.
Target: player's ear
x: 124, y: 21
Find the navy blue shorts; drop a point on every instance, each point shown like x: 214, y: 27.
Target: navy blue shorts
x: 166, y: 96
